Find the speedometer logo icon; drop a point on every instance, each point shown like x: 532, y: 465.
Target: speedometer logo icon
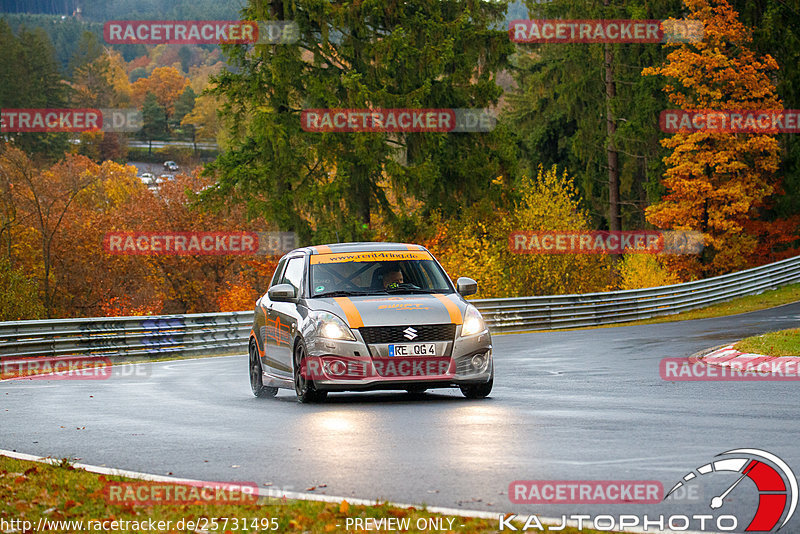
x: 775, y: 481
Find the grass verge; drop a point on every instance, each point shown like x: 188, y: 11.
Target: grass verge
x: 780, y: 343
x: 34, y: 491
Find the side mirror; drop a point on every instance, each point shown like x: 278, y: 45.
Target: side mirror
x: 282, y: 293
x: 466, y: 286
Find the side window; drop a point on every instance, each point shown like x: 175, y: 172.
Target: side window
x: 294, y: 273
x: 276, y: 276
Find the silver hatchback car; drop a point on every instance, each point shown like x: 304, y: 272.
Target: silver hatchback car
x: 366, y: 316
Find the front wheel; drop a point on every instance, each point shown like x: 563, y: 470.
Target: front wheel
x: 478, y: 391
x: 256, y: 377
x: 303, y: 385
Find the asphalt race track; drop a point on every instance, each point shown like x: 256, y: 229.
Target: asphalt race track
x: 577, y: 405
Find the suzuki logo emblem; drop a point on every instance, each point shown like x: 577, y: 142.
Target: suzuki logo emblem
x: 409, y: 333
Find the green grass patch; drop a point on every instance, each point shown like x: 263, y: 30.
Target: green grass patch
x: 30, y: 491
x: 780, y: 343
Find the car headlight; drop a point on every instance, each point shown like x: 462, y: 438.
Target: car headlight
x: 330, y: 326
x: 473, y: 322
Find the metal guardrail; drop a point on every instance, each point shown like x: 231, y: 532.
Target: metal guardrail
x: 593, y: 309
x: 220, y: 333
x: 152, y: 337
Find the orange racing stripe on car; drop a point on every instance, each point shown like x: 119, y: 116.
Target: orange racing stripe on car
x: 452, y: 309
x: 323, y: 249
x: 350, y: 311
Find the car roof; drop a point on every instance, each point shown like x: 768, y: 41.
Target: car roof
x: 363, y: 246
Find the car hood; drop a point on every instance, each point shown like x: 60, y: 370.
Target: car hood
x: 378, y: 310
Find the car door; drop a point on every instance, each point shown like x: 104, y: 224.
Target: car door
x: 263, y: 308
x: 283, y: 318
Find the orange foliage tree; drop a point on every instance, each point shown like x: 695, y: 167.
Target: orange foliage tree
x: 54, y: 220
x: 166, y: 83
x: 716, y: 182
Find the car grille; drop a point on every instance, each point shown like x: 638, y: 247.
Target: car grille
x: 375, y: 335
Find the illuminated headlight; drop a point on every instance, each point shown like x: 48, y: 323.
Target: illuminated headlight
x: 330, y: 326
x: 473, y: 322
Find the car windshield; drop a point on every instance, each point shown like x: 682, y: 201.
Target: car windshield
x: 380, y: 273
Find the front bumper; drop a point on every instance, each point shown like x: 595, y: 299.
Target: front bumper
x: 336, y: 365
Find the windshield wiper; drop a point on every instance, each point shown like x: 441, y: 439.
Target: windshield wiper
x: 342, y: 293
x: 415, y: 290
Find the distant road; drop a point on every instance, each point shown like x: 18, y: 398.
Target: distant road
x: 161, y: 144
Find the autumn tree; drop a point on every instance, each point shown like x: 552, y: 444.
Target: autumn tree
x: 47, y: 196
x: 716, y: 182
x: 19, y: 299
x: 477, y: 243
x: 102, y: 82
x: 166, y: 83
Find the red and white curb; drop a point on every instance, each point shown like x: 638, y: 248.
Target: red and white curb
x: 727, y: 356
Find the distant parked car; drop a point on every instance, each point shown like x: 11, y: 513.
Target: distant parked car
x: 171, y: 166
x: 167, y: 177
x: 147, y: 178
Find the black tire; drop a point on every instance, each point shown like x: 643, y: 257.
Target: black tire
x: 256, y: 378
x: 478, y: 391
x: 304, y: 387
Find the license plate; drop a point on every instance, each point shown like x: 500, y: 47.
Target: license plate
x: 413, y: 349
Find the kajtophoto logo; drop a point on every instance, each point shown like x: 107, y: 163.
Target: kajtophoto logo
x: 773, y: 478
x: 770, y: 496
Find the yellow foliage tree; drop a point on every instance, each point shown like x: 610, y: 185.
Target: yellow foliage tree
x: 643, y: 270
x: 476, y: 245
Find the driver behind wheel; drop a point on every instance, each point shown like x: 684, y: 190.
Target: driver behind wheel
x: 392, y: 276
